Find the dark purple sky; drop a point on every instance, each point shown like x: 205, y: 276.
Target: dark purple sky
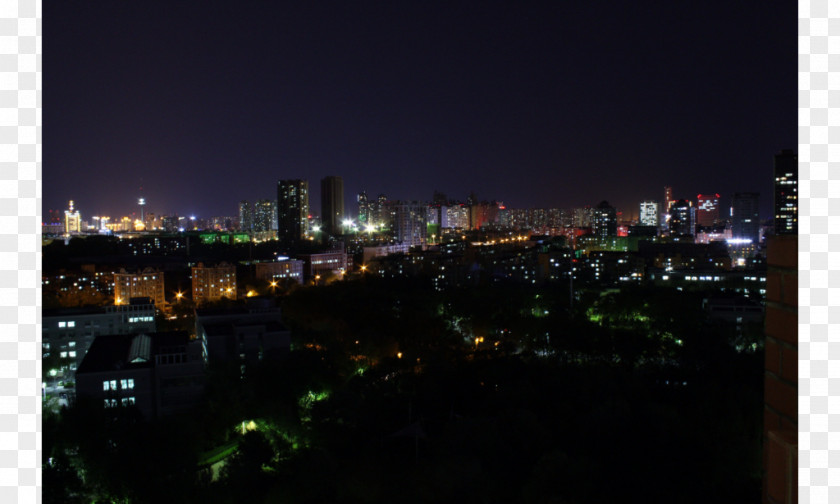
x: 545, y: 104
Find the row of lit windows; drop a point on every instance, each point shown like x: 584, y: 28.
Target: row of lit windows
x: 125, y: 384
x: 62, y: 325
x: 140, y: 319
x: 124, y: 401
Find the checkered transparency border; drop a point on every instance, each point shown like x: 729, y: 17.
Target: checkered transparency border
x: 819, y: 252
x: 20, y: 191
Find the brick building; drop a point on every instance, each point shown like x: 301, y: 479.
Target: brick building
x: 780, y: 372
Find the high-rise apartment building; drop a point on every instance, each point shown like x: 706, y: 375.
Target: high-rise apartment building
x: 213, y: 283
x: 483, y: 214
x: 604, y: 220
x: 246, y: 216
x: 745, y: 222
x: 582, y: 217
x: 708, y: 209
x: 410, y: 223
x: 649, y: 213
x: 265, y: 219
x: 380, y: 211
x: 332, y: 204
x: 682, y: 222
x: 292, y: 210
x: 785, y: 204
x: 455, y: 216
x: 364, y: 208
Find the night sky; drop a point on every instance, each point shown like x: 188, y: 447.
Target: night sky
x: 544, y: 104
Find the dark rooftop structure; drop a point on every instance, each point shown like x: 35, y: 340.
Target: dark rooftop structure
x: 159, y: 373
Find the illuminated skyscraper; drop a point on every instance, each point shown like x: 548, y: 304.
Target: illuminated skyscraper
x: 364, y: 208
x: 649, y: 213
x: 666, y: 206
x: 332, y: 204
x: 786, y: 175
x: 72, y: 220
x: 683, y: 219
x: 292, y: 210
x: 410, y: 223
x: 745, y: 223
x: 708, y: 209
x: 246, y: 216
x: 604, y: 222
x: 265, y: 219
x: 380, y: 211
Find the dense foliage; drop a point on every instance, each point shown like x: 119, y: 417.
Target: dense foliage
x: 397, y: 393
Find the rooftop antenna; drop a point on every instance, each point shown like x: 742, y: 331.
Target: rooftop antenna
x: 142, y: 202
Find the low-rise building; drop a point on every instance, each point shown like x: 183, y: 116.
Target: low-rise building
x: 274, y: 271
x: 145, y: 283
x: 67, y: 333
x: 158, y: 373
x: 247, y: 334
x: 213, y: 283
x: 336, y: 262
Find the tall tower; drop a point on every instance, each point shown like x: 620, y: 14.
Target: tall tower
x: 292, y: 210
x: 364, y: 208
x: 265, y: 218
x: 246, y: 216
x: 332, y: 204
x: 786, y: 175
x: 745, y: 223
x: 666, y: 205
x: 72, y: 220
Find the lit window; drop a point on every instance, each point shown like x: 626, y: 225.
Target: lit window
x: 71, y: 324
x: 62, y: 324
x: 128, y: 401
x: 113, y: 384
x: 63, y: 355
x: 106, y: 385
x: 72, y: 353
x: 127, y: 384
x: 71, y: 344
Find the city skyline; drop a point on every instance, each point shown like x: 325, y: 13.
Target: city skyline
x: 525, y: 104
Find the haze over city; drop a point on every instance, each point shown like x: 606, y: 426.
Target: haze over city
x: 207, y: 103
